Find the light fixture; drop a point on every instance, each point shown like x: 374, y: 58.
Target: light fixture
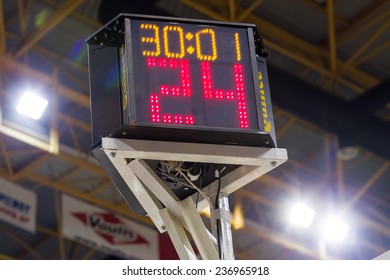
x: 334, y: 229
x: 301, y: 215
x: 348, y: 153
x: 31, y: 105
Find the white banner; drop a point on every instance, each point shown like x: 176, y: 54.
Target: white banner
x: 18, y: 206
x: 100, y: 229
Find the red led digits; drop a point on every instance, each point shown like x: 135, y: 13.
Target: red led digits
x: 208, y: 92
x: 167, y: 118
x: 219, y: 94
x: 162, y: 62
x: 189, y: 120
x: 229, y: 95
x: 175, y: 90
x: 185, y: 89
x: 185, y: 77
x: 207, y: 82
x: 151, y: 61
x: 155, y: 107
x: 178, y: 119
x: 164, y: 90
x: 172, y: 63
x: 241, y: 96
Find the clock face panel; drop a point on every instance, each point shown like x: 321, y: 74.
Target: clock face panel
x: 193, y: 75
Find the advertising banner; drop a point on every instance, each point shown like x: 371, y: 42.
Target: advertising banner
x: 98, y: 228
x: 18, y: 206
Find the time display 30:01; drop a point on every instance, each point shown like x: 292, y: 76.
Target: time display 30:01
x: 203, y: 39
x: 193, y: 75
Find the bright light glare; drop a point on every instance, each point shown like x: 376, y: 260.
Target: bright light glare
x: 301, y: 215
x: 335, y: 229
x: 31, y: 105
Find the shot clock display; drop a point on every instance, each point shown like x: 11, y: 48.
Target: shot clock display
x: 193, y: 75
x: 179, y: 80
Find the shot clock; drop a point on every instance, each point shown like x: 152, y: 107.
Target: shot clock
x: 193, y: 75
x: 171, y: 79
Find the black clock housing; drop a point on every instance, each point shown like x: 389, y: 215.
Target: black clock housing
x: 173, y: 79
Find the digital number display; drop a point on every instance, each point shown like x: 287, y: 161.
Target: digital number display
x: 193, y: 75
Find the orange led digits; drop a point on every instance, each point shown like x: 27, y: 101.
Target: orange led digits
x: 155, y: 40
x: 238, y: 47
x: 199, y: 53
x: 179, y: 30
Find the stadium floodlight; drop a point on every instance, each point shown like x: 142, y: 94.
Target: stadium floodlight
x: 335, y: 229
x: 301, y: 215
x: 31, y: 105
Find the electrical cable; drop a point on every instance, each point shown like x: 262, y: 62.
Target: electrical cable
x: 208, y: 198
x: 197, y: 193
x: 174, y: 172
x: 218, y: 222
x: 218, y: 174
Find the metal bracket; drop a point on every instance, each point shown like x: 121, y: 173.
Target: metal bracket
x: 175, y: 216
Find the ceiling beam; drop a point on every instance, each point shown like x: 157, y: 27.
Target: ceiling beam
x: 258, y: 198
x: 274, y: 237
x: 3, y: 37
x: 249, y: 10
x: 354, y: 128
x: 6, y: 257
x: 74, y: 96
x: 83, y: 19
x: 310, y: 3
x: 365, y: 20
x: 48, y: 54
x: 6, y: 156
x: 78, y: 194
x: 331, y: 35
x: 100, y: 187
x: 287, y: 42
x: 52, y: 21
x: 26, y: 138
x: 60, y: 234
x: 373, y: 52
x: 367, y: 43
x: 81, y: 162
x: 366, y: 186
x: 35, y: 246
x: 31, y: 166
x: 232, y: 9
x: 312, y: 65
x: 89, y: 254
x: 86, y: 127
x: 22, y: 17
x: 247, y: 252
x: 21, y: 242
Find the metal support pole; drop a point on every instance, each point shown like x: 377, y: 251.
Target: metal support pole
x: 223, y: 230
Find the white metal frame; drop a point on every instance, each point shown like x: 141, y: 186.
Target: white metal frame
x: 167, y: 212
